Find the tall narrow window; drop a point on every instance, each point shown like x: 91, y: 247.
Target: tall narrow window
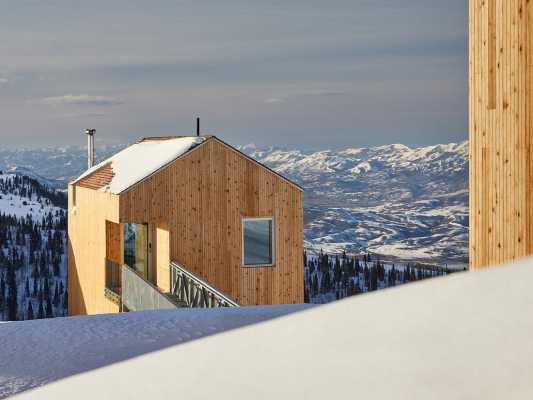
x: 73, y: 195
x: 258, y: 248
x: 136, y: 248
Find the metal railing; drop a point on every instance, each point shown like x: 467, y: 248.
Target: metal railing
x: 193, y: 291
x: 139, y: 294
x: 113, y: 281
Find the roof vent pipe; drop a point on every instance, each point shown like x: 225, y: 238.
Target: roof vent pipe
x: 90, y: 147
x: 197, y: 126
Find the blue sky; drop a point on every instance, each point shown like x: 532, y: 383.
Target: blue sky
x: 307, y: 74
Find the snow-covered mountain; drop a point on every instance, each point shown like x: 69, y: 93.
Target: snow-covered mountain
x: 395, y: 201
x: 33, y: 273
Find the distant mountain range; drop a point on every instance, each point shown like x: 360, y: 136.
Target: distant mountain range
x: 410, y: 204
x: 403, y: 203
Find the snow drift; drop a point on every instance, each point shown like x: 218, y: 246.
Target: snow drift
x: 464, y: 336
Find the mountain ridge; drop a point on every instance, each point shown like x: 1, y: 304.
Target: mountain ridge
x: 400, y: 202
x: 396, y: 201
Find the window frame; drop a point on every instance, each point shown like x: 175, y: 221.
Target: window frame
x: 146, y: 272
x: 273, y: 228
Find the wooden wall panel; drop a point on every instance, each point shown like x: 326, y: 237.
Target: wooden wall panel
x: 162, y: 257
x: 87, y: 250
x: 500, y: 128
x: 203, y: 198
x: 113, y: 242
x: 491, y: 54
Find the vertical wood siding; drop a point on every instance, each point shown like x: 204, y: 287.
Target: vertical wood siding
x: 162, y: 257
x: 87, y: 250
x: 202, y: 199
x: 113, y: 242
x: 500, y: 69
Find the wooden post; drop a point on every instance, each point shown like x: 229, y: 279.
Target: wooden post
x: 500, y: 127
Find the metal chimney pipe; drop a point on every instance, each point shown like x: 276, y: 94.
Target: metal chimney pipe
x: 90, y: 147
x: 197, y: 126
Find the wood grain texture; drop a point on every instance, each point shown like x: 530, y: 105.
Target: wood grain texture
x: 88, y: 233
x: 162, y: 257
x: 500, y: 127
x: 194, y: 208
x: 202, y: 198
x: 492, y: 54
x: 113, y: 242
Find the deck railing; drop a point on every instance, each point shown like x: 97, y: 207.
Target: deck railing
x: 192, y: 291
x: 138, y: 294
x: 113, y: 281
x: 130, y: 291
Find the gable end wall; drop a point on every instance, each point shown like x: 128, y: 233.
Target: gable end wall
x: 201, y: 198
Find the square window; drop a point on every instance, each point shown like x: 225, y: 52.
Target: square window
x: 258, y: 242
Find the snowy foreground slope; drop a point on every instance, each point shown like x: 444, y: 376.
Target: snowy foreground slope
x: 465, y: 336
x: 33, y: 353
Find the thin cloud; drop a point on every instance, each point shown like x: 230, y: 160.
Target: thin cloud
x: 3, y: 80
x: 274, y: 100
x: 81, y: 100
x: 325, y: 93
x: 316, y: 93
x: 84, y: 115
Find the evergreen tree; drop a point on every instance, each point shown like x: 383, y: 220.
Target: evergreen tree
x: 56, y: 266
x: 29, y: 314
x: 46, y: 289
x: 11, y: 281
x: 56, y: 296
x: 34, y: 271
x: 42, y: 266
x: 315, y: 285
x: 2, y: 292
x: 324, y: 262
x: 48, y: 308
x: 337, y: 270
x: 27, y: 288
x: 40, y: 312
x: 65, y: 300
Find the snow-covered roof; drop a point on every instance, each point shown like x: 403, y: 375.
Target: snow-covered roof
x: 136, y: 162
x: 145, y: 157
x: 465, y: 336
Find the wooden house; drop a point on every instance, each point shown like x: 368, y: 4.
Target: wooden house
x: 501, y: 130
x: 183, y: 221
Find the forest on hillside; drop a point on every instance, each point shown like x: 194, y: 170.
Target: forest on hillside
x: 334, y: 277
x: 32, y: 251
